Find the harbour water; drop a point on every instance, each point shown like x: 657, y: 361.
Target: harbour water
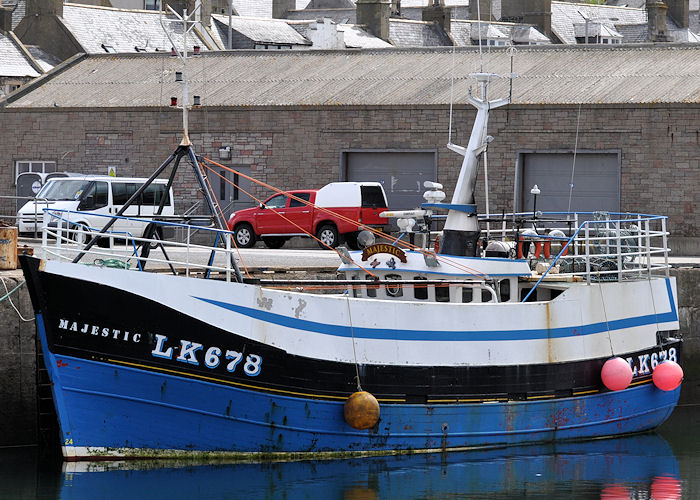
x: 660, y: 465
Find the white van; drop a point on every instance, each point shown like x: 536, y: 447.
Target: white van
x: 91, y: 197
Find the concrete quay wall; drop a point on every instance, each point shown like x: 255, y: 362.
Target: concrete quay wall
x: 24, y: 416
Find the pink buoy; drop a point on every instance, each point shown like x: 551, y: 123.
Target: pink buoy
x: 667, y: 375
x: 616, y: 374
x: 666, y: 488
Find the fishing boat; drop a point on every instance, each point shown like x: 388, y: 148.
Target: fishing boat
x: 523, y: 328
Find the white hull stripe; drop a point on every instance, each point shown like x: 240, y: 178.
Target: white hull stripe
x: 449, y: 335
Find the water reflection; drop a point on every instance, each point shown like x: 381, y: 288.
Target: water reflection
x: 636, y: 467
x: 633, y: 467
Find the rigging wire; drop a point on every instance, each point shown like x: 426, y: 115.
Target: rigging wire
x: 605, y: 314
x: 478, y: 17
x: 354, y: 350
x: 452, y: 94
x: 285, y: 218
x: 160, y: 98
x: 394, y: 240
x: 221, y: 212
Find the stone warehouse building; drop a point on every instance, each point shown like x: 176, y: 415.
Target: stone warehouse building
x: 303, y: 119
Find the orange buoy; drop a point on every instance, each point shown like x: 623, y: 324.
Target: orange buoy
x: 361, y: 410
x: 616, y: 374
x: 667, y: 375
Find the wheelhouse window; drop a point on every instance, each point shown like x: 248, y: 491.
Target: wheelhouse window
x: 356, y: 291
x: 371, y: 288
x: 504, y: 289
x: 420, y: 292
x: 393, y: 290
x: 442, y: 292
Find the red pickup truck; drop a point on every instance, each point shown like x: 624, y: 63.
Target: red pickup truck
x: 281, y: 217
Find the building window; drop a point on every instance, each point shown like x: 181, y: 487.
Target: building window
x: 260, y: 46
x: 150, y: 5
x: 34, y: 166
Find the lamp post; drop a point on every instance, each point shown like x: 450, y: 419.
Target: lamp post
x: 534, y: 191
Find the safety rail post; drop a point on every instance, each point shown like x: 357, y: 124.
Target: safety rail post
x: 59, y: 235
x: 187, y: 260
x: 648, y: 245
x: 36, y: 216
x: 575, y: 225
x: 619, y: 250
x: 640, y: 246
x: 587, y: 243
x: 665, y: 243
x: 44, y: 236
x: 229, y: 256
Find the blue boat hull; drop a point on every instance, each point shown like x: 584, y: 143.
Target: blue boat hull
x: 126, y: 410
x: 638, y: 465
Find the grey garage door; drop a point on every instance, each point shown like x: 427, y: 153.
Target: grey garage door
x: 401, y: 173
x: 596, y: 182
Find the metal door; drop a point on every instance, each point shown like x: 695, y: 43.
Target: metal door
x: 596, y: 182
x: 401, y: 173
x: 232, y: 189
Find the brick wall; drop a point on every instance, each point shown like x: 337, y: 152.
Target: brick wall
x: 300, y: 147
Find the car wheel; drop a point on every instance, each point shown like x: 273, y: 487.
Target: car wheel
x: 274, y: 242
x: 351, y: 241
x: 244, y: 236
x: 328, y: 234
x: 81, y: 233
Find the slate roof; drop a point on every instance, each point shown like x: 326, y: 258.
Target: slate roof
x: 358, y: 38
x: 340, y: 16
x: 528, y: 34
x: 685, y: 35
x: 259, y: 8
x: 124, y: 30
x: 637, y: 4
x: 416, y: 13
x: 633, y: 33
x: 595, y: 29
x: 466, y: 32
x: 405, y: 33
x: 263, y: 31
x: 43, y: 59
x: 565, y: 16
x: 13, y: 62
x: 354, y: 37
x: 548, y: 74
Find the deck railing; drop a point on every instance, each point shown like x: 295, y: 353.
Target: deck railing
x: 210, y: 252
x: 585, y: 246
